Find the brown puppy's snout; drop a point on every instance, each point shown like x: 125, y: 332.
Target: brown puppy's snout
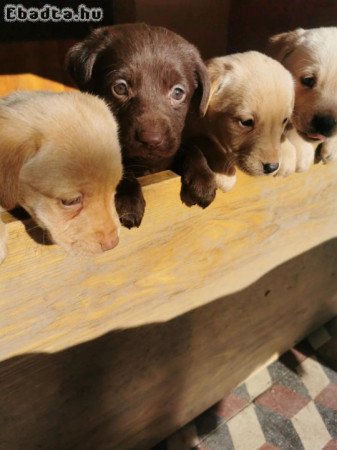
x: 270, y: 167
x: 108, y: 240
x: 150, y: 137
x: 323, y: 124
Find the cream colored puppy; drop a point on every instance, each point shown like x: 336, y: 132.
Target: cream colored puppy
x: 251, y: 102
x: 310, y: 55
x: 60, y: 159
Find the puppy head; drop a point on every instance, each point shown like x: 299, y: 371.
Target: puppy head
x: 69, y: 181
x: 148, y: 76
x: 251, y: 101
x: 310, y: 55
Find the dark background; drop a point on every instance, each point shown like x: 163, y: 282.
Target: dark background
x: 215, y: 26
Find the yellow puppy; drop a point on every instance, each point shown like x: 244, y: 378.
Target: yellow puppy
x: 310, y: 55
x: 251, y: 102
x: 60, y: 159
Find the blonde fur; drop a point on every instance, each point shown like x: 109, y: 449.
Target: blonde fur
x: 310, y: 53
x: 247, y: 86
x: 61, y: 148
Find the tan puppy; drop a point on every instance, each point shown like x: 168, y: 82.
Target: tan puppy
x: 60, y: 159
x: 310, y: 55
x: 252, y: 98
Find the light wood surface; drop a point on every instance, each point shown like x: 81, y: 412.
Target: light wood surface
x: 118, y: 351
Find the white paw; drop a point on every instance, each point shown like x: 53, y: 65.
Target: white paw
x: 328, y: 153
x: 287, y: 160
x: 305, y: 157
x: 225, y: 182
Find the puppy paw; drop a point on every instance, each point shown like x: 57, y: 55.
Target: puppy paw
x: 130, y: 210
x: 198, y: 188
x: 130, y: 203
x: 287, y: 160
x: 305, y: 158
x: 327, y: 152
x: 225, y: 182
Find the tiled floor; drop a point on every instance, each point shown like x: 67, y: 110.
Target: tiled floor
x: 292, y: 404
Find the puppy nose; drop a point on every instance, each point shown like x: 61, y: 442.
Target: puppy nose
x: 270, y: 167
x: 109, y: 241
x: 150, y: 138
x: 323, y: 124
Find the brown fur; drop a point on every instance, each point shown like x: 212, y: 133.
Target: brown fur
x: 151, y: 60
x: 244, y: 86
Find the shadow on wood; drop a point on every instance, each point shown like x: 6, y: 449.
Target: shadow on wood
x: 130, y: 388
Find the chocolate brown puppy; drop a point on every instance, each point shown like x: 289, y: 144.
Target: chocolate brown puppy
x: 148, y: 75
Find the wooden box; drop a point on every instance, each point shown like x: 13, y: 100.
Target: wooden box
x: 118, y: 351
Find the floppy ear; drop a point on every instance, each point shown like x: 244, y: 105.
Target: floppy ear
x: 14, y: 152
x: 281, y: 45
x: 80, y: 58
x: 204, y: 85
x: 220, y: 75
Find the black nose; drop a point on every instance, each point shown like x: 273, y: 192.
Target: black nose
x: 323, y: 124
x: 270, y: 167
x: 150, y: 138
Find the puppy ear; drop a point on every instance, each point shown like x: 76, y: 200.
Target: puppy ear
x: 220, y: 76
x: 281, y: 45
x: 14, y: 153
x: 204, y: 85
x: 80, y: 58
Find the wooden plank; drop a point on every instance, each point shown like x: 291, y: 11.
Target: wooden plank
x: 117, y: 351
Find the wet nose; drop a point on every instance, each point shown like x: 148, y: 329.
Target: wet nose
x: 108, y: 241
x: 150, y: 138
x: 323, y: 124
x: 270, y: 167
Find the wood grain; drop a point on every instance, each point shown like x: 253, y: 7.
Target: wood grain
x: 117, y: 351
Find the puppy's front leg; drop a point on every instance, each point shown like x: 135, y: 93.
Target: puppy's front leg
x: 221, y: 162
x: 287, y: 159
x: 130, y: 202
x: 327, y: 151
x: 305, y: 151
x: 198, y: 185
x: 3, y: 239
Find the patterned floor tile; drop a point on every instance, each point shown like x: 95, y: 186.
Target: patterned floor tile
x: 221, y: 439
x: 282, y: 400
x: 230, y: 405
x: 278, y: 430
x: 241, y: 391
x: 291, y: 405
x: 328, y: 397
x: 281, y: 374
x: 332, y: 445
x: 258, y: 383
x: 207, y: 422
x: 311, y: 428
x: 245, y: 430
x: 268, y: 447
x: 313, y: 376
x: 329, y: 417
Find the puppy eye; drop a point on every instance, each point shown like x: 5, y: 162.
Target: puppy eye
x: 308, y: 81
x: 120, y: 88
x: 285, y: 121
x: 68, y: 203
x: 249, y: 123
x: 178, y: 93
